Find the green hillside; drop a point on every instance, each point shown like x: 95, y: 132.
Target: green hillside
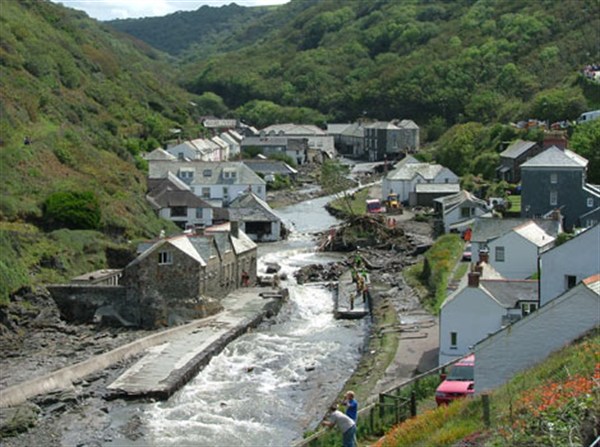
x: 438, y: 63
x: 196, y: 31
x: 89, y: 103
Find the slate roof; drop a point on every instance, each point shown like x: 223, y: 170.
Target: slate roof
x: 265, y: 141
x: 291, y: 129
x: 555, y: 157
x: 270, y: 167
x: 432, y: 188
x: 382, y: 125
x: 534, y: 234
x: 407, y: 170
x: 488, y: 229
x: 337, y: 129
x: 244, y: 175
x: 510, y: 292
x: 517, y: 148
x: 451, y: 202
x: 407, y: 124
x: 250, y: 208
x: 356, y: 130
x: 159, y: 154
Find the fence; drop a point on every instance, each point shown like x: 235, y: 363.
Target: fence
x: 388, y: 409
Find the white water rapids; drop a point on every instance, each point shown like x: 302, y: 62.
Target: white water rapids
x: 270, y: 385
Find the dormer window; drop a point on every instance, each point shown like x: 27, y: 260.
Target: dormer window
x: 186, y: 174
x: 207, y: 173
x: 228, y: 174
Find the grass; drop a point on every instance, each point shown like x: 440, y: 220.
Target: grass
x: 552, y: 404
x: 356, y: 202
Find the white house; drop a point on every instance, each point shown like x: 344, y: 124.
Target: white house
x: 233, y: 140
x: 530, y: 340
x: 565, y: 265
x: 256, y: 218
x: 515, y: 253
x: 317, y: 139
x: 459, y: 210
x: 198, y: 149
x: 173, y: 200
x: 216, y: 183
x: 487, y: 230
x: 481, y: 307
x: 409, y: 173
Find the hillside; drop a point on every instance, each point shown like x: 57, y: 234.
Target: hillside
x: 87, y: 103
x: 196, y: 31
x: 436, y: 63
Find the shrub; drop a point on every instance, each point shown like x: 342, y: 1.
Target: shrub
x: 74, y: 210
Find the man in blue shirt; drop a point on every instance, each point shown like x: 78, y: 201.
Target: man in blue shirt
x: 351, y: 405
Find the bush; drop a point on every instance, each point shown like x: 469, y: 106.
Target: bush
x: 74, y: 210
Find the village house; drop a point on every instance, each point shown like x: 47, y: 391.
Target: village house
x: 556, y: 179
x: 268, y: 169
x: 565, y: 265
x: 487, y: 230
x: 390, y: 140
x: 410, y: 173
x: 320, y: 145
x: 458, y: 211
x: 173, y: 200
x: 349, y: 139
x: 515, y: 253
x: 234, y: 141
x: 529, y: 341
x: 295, y: 148
x: 216, y: 183
x: 256, y: 218
x: 175, y: 278
x: 198, y: 149
x: 513, y: 157
x: 483, y: 304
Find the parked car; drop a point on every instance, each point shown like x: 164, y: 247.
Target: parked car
x: 466, y: 256
x: 458, y: 383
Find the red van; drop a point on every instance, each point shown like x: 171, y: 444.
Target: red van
x: 458, y: 383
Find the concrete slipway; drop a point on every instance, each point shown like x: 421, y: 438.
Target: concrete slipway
x: 172, y: 356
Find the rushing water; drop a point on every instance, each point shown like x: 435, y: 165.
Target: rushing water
x: 270, y: 385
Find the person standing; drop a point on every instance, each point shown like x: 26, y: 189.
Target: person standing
x: 351, y: 406
x: 345, y: 425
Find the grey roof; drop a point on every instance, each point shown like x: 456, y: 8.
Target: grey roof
x: 270, y: 167
x: 336, y: 129
x: 244, y: 175
x: 451, y: 202
x: 488, y: 229
x: 291, y: 129
x: 354, y: 130
x: 555, y: 157
x: 382, y: 125
x: 407, y: 170
x: 407, y: 124
x: 265, y: 141
x: 250, y: 208
x: 172, y: 198
x: 510, y: 292
x: 159, y: 154
x: 429, y: 188
x: 517, y: 148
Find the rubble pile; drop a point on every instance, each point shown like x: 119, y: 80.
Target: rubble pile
x: 320, y: 272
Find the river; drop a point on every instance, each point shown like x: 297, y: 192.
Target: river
x: 270, y: 385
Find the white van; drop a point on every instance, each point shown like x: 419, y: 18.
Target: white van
x: 588, y: 116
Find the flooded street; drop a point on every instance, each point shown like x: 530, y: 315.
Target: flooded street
x: 270, y: 385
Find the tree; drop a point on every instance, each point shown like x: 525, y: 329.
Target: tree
x: 334, y: 179
x: 74, y: 210
x: 586, y: 142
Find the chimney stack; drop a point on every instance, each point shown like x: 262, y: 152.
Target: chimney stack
x: 555, y: 138
x: 474, y: 279
x: 234, y: 228
x: 484, y: 256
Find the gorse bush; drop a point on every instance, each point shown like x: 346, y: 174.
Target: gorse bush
x: 74, y: 210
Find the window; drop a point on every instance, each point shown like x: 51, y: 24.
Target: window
x: 229, y: 174
x: 570, y: 281
x: 186, y: 174
x: 206, y: 193
x: 225, y: 192
x: 465, y: 212
x: 554, y: 178
x: 527, y: 308
x: 499, y: 254
x: 553, y: 197
x: 207, y: 173
x: 590, y: 202
x: 453, y: 340
x: 178, y: 211
x: 198, y: 213
x: 259, y: 189
x: 165, y: 258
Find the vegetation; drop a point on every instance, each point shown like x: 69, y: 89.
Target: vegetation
x: 553, y: 404
x: 439, y: 263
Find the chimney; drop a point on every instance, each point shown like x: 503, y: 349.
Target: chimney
x: 484, y: 256
x: 556, y: 138
x: 474, y: 279
x: 234, y: 228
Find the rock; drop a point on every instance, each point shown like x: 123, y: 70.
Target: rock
x: 273, y: 267
x: 18, y: 419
